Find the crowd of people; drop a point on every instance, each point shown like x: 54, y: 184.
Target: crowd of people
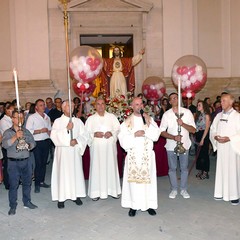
x: 47, y: 131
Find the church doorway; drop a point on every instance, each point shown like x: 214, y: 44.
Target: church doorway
x: 104, y: 43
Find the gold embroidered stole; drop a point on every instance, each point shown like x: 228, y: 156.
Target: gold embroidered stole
x: 138, y: 174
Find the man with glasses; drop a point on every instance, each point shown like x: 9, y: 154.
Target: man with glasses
x: 19, y: 163
x: 225, y: 138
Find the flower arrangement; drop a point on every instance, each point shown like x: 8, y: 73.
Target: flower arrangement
x: 120, y: 106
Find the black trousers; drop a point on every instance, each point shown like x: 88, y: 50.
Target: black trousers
x: 5, y: 167
x: 41, y: 152
x: 203, y: 162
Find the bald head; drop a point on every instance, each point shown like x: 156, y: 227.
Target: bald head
x: 137, y: 105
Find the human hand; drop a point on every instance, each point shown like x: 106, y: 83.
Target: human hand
x: 139, y: 133
x: 142, y: 51
x: 70, y: 126
x: 44, y: 130
x: 222, y: 139
x: 73, y: 142
x: 99, y: 134
x: 180, y: 121
x: 19, y: 134
x: 177, y: 138
x: 107, y: 135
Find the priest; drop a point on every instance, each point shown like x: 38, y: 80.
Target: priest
x: 137, y: 134
x: 67, y: 172
x: 225, y: 138
x: 103, y: 128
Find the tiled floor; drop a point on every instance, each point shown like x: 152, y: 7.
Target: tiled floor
x: 197, y: 218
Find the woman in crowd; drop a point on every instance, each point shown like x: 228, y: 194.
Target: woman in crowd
x: 208, y: 101
x: 30, y: 112
x: 79, y: 112
x: 203, y: 121
x: 165, y: 105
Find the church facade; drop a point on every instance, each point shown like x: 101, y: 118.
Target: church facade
x: 33, y: 41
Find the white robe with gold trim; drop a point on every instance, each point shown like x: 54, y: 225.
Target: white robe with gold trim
x: 137, y: 195
x: 67, y: 173
x: 227, y: 180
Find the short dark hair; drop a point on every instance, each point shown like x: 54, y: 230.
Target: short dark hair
x: 173, y: 93
x: 8, y: 106
x: 58, y: 98
x: 39, y: 100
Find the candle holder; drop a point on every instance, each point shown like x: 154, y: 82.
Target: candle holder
x: 179, y: 149
x: 22, y: 144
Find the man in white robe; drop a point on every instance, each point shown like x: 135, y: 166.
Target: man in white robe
x: 225, y: 138
x: 139, y: 191
x: 67, y: 173
x: 103, y: 128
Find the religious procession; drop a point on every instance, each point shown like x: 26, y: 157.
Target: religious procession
x: 106, y: 134
x: 119, y: 120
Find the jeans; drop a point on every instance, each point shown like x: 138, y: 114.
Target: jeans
x: 19, y: 170
x: 172, y: 163
x: 41, y: 152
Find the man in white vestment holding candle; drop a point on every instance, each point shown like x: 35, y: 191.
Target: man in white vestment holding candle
x: 169, y: 130
x: 137, y: 134
x: 225, y: 138
x: 103, y: 128
x: 67, y: 172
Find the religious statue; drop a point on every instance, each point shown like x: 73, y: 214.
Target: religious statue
x: 118, y: 73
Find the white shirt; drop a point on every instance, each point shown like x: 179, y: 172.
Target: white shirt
x: 5, y: 123
x: 169, y: 124
x: 36, y: 122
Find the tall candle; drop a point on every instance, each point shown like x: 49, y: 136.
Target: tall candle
x: 16, y: 87
x: 179, y: 95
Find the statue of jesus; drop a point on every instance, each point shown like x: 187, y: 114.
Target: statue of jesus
x: 118, y: 73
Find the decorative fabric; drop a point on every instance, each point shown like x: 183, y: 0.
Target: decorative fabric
x: 201, y: 122
x: 127, y: 70
x: 135, y: 173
